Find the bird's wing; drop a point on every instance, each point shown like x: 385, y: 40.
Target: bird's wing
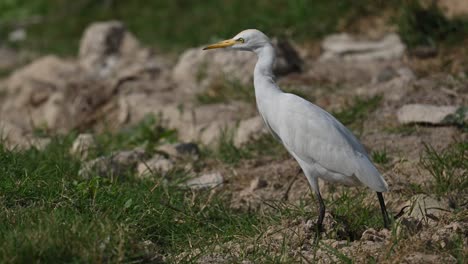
x: 314, y: 135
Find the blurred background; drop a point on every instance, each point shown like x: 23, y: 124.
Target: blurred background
x: 121, y: 140
x: 56, y: 25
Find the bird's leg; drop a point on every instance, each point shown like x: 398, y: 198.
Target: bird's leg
x: 320, y: 218
x: 386, y: 219
x: 315, y: 188
x: 321, y: 213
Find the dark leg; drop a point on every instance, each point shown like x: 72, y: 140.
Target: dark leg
x: 321, y: 216
x: 386, y: 219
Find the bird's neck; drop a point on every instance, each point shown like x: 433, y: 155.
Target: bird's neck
x: 264, y: 80
x: 266, y: 59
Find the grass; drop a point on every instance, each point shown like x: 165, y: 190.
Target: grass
x: 44, y: 203
x: 380, y: 156
x: 49, y: 214
x: 175, y: 25
x: 449, y: 167
x: 357, y: 111
x: 458, y: 118
x: 427, y: 26
x: 354, y: 215
x: 147, y: 134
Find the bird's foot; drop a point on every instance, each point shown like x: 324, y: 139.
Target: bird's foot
x: 318, y: 235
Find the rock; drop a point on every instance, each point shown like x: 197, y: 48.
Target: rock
x: 345, y: 47
x: 12, y: 134
x: 38, y: 79
x: 197, y: 70
x: 249, y: 129
x: 38, y: 91
x: 157, y: 164
x: 180, y: 150
x: 39, y: 143
x: 210, y: 180
x: 423, y: 206
x: 451, y: 8
x: 421, y: 210
x: 17, y: 35
x: 102, y: 44
x: 426, y: 114
x: 375, y: 236
x: 206, y: 123
x: 82, y: 145
x: 187, y: 149
x: 114, y: 166
x: 256, y: 184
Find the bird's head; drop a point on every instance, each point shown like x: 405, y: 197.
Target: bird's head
x: 248, y: 40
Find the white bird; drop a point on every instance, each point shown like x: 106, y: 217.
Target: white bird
x: 323, y: 147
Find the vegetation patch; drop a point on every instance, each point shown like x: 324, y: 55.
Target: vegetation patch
x: 449, y: 167
x: 427, y: 26
x: 49, y: 214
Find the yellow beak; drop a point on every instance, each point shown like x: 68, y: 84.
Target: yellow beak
x: 222, y: 44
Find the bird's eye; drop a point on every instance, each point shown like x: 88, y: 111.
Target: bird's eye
x: 241, y: 40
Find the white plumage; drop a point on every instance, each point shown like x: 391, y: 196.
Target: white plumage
x: 323, y: 147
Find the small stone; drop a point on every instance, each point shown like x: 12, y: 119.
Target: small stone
x: 17, y: 35
x: 40, y: 143
x: 426, y: 114
x: 187, y: 149
x: 82, y: 145
x: 339, y: 244
x: 257, y: 183
x: 421, y: 210
x: 372, y: 235
x: 210, y: 180
x: 158, y: 164
x: 180, y: 149
x: 345, y: 47
x: 114, y: 166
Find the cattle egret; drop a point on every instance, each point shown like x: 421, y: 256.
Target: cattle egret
x: 323, y: 147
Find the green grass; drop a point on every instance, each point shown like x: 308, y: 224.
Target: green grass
x: 449, y: 167
x: 173, y: 25
x: 380, y: 156
x: 48, y: 214
x: 353, y: 215
x: 458, y: 119
x: 148, y: 133
x: 428, y: 26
